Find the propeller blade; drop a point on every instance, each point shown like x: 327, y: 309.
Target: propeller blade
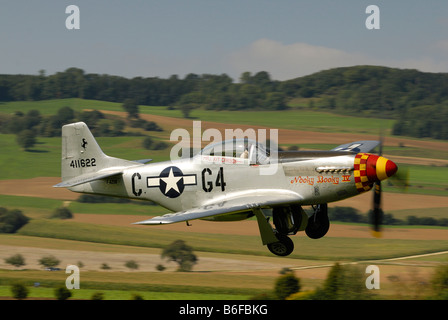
x: 377, y: 212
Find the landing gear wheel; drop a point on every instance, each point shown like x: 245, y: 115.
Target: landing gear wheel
x: 283, y: 247
x: 318, y: 229
x: 318, y: 223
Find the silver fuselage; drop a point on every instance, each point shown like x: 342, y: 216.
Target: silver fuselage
x: 316, y: 177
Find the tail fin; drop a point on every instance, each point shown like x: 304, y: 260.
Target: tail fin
x: 82, y: 157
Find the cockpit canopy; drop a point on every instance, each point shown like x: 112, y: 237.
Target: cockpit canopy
x: 253, y: 151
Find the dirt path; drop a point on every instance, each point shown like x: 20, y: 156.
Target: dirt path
x: 41, y: 187
x: 93, y: 260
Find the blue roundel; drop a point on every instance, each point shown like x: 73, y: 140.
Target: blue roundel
x: 171, y: 182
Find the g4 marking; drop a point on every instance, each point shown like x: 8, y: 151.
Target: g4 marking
x: 207, y: 186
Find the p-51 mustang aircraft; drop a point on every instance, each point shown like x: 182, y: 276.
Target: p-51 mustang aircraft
x: 231, y: 181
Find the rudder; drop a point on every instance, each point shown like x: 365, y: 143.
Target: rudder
x: 80, y: 152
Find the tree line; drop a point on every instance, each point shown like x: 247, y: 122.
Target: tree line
x: 417, y: 100
x: 349, y: 214
x: 28, y: 126
x: 379, y: 92
x: 348, y: 282
x: 210, y: 90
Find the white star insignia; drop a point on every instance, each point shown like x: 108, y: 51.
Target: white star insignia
x: 171, y: 182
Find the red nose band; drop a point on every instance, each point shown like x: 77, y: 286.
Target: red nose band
x: 370, y: 168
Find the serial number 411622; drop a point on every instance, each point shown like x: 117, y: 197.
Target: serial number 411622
x: 82, y: 163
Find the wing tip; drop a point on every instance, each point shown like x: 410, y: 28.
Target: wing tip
x: 149, y: 222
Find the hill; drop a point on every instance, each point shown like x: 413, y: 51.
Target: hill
x: 380, y: 91
x: 232, y: 260
x: 417, y: 100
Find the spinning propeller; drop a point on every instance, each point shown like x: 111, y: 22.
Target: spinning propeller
x: 377, y: 212
x: 400, y: 179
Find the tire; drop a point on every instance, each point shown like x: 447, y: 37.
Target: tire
x: 317, y: 229
x: 283, y: 247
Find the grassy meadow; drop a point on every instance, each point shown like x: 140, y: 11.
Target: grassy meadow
x: 41, y: 232
x: 125, y: 294
x: 325, y: 249
x: 17, y: 164
x: 289, y: 119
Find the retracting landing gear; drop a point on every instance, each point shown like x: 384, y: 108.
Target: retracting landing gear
x: 287, y: 221
x: 283, y: 247
x: 318, y: 223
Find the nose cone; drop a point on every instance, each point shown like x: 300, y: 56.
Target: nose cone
x: 370, y: 168
x: 391, y: 168
x: 379, y: 168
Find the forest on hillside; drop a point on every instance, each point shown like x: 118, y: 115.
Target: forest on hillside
x: 417, y: 100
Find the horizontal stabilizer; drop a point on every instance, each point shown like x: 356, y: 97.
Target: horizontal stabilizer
x: 233, y: 203
x: 88, y: 177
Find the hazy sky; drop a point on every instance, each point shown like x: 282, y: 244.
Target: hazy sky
x: 287, y: 38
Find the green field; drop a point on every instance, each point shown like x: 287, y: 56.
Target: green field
x: 291, y: 119
x: 43, y: 208
x: 41, y: 232
x: 199, y: 285
x: 436, y: 213
x: 44, y: 160
x: 120, y: 294
x: 151, y: 285
x: 49, y: 107
x: 29, y: 203
x: 18, y: 164
x: 325, y: 249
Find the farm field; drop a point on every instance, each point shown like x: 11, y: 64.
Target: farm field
x: 233, y: 264
x: 285, y: 119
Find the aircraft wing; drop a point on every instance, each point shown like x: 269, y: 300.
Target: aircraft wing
x: 89, y: 177
x: 143, y: 161
x: 358, y: 146
x: 233, y: 203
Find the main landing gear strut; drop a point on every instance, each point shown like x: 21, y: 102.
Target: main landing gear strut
x: 288, y: 221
